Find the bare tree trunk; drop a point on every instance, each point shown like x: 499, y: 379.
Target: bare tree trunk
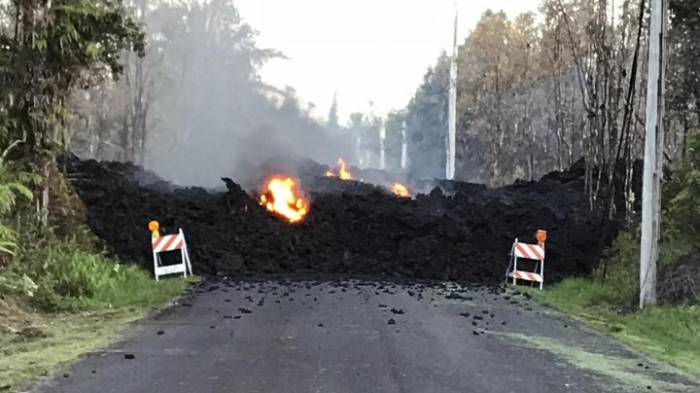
x: 43, y: 203
x: 624, y: 139
x: 684, y: 141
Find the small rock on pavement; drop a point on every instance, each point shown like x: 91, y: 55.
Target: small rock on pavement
x: 397, y: 311
x: 160, y: 332
x: 129, y: 356
x: 391, y: 322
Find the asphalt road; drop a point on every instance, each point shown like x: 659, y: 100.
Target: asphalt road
x: 336, y: 337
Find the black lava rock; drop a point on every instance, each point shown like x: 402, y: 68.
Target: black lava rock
x: 352, y: 228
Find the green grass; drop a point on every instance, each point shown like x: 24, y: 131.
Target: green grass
x: 60, y: 294
x: 62, y: 298
x: 667, y: 333
x: 56, y: 274
x: 35, y: 344
x: 619, y: 374
x: 55, y: 342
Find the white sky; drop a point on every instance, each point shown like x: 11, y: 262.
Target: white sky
x: 366, y: 50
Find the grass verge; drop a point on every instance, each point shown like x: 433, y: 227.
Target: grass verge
x: 668, y: 333
x: 36, y: 344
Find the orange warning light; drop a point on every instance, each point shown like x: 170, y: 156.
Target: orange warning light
x: 154, y: 227
x: 541, y: 236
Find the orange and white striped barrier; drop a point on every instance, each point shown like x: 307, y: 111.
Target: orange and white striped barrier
x: 161, y: 244
x: 533, y: 252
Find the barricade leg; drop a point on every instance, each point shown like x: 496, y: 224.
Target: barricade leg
x: 184, y: 262
x: 155, y: 265
x: 186, y: 253
x: 510, y: 263
x: 542, y: 274
x: 515, y: 269
x: 188, y: 263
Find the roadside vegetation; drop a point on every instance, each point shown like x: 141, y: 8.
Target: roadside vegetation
x: 608, y: 300
x: 61, y: 295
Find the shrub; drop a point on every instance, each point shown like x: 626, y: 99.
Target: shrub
x: 13, y: 185
x: 620, y: 271
x: 683, y: 199
x: 72, y: 274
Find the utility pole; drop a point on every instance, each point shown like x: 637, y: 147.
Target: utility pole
x: 382, y: 146
x: 404, y: 148
x: 452, y: 115
x: 653, y: 156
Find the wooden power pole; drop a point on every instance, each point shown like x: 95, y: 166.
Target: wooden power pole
x: 653, y: 156
x: 452, y: 115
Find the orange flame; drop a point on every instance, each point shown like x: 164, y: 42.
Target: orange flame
x: 400, y: 190
x: 282, y: 197
x: 343, y: 172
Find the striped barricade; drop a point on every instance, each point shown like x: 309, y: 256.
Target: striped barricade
x: 533, y: 252
x: 166, y: 243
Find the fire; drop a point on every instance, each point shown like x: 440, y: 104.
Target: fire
x: 343, y: 172
x: 400, y: 190
x: 282, y: 197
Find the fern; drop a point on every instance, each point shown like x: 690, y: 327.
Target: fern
x: 13, y: 185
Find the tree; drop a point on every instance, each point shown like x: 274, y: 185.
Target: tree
x: 395, y: 125
x: 426, y: 123
x: 534, y: 97
x: 683, y: 76
x: 195, y: 104
x: 333, y: 114
x: 47, y: 50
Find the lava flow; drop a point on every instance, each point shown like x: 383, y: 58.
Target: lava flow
x: 400, y: 190
x: 343, y: 172
x: 283, y: 197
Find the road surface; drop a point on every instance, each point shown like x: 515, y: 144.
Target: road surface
x: 356, y: 336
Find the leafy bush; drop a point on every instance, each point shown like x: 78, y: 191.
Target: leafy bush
x: 14, y: 284
x: 69, y: 278
x: 620, y: 271
x: 64, y: 273
x: 680, y: 224
x: 72, y: 274
x: 13, y: 185
x: 682, y: 199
